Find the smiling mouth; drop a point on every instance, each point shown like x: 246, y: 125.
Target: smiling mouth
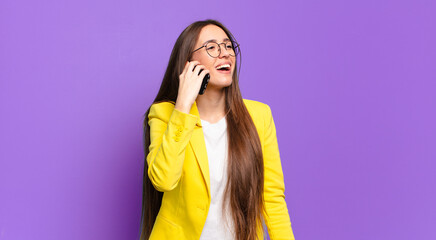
x: 225, y: 68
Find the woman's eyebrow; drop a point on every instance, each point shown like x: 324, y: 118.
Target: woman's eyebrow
x: 214, y: 40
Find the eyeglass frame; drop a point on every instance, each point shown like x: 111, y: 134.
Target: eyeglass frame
x: 219, y: 47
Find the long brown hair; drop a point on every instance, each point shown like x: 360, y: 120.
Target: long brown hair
x: 244, y: 189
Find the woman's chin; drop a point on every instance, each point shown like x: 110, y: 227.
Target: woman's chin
x: 219, y: 84
x: 223, y: 81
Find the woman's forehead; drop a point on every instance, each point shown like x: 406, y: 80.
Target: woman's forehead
x: 212, y: 32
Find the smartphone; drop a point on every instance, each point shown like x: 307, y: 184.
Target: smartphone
x: 204, y: 83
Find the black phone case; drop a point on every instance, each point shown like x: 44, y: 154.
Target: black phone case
x: 204, y: 83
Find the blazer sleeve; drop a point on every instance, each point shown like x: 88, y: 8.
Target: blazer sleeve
x: 277, y: 219
x: 170, y: 132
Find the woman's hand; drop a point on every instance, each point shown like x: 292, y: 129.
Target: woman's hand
x: 189, y: 85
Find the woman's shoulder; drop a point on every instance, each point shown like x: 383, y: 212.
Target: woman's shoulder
x: 254, y: 106
x: 260, y: 112
x: 161, y: 109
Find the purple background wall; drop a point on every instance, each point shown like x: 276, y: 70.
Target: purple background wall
x: 351, y: 85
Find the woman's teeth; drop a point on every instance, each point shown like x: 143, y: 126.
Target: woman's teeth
x: 223, y: 67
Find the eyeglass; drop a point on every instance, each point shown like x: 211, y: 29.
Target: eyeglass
x: 213, y: 49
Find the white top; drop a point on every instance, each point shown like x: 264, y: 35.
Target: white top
x: 215, y: 136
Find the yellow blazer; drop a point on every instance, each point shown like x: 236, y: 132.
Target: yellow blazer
x: 178, y: 166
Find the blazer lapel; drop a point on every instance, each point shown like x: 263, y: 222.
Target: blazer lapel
x: 199, y: 147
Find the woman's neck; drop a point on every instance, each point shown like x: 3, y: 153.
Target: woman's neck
x: 211, y: 105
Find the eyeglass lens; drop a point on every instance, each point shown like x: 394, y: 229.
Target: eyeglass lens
x: 213, y: 48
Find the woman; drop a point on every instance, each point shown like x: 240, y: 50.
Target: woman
x: 212, y: 168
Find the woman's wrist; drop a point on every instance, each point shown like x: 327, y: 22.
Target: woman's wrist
x: 186, y: 108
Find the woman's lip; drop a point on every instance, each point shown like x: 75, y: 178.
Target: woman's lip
x: 223, y: 71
